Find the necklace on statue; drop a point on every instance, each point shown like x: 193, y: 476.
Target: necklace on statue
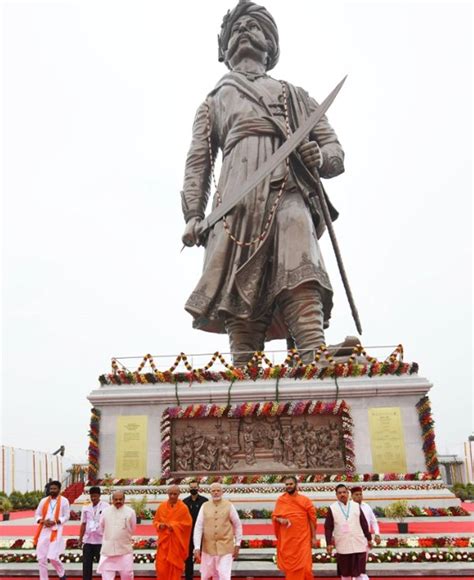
x: 252, y: 76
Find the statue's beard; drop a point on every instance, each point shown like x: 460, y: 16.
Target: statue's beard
x: 255, y: 43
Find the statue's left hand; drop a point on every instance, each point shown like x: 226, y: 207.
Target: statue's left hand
x: 311, y: 155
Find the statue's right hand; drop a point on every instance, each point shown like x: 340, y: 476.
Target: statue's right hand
x: 190, y: 237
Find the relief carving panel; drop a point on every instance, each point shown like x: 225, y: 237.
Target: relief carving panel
x: 248, y: 445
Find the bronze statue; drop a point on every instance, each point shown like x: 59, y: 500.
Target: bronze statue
x: 264, y: 276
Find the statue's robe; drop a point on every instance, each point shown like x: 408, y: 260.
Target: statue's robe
x: 172, y: 545
x: 294, y: 556
x: 246, y: 121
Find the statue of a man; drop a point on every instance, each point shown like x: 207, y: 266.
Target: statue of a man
x: 264, y: 275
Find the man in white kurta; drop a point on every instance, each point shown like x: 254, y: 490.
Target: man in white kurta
x: 357, y: 496
x: 217, y: 536
x: 117, y: 523
x: 51, y: 515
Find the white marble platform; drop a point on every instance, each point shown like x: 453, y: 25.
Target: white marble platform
x: 360, y: 393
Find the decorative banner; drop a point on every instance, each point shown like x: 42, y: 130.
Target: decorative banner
x: 386, y: 440
x: 131, y: 446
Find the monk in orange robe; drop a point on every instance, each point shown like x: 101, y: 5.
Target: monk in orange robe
x: 173, y: 523
x: 294, y: 521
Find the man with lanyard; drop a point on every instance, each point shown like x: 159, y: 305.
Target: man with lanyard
x: 194, y: 502
x: 356, y: 494
x: 51, y: 515
x: 90, y: 535
x: 294, y: 522
x: 347, y: 531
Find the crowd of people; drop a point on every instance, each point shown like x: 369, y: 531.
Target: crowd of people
x: 205, y: 531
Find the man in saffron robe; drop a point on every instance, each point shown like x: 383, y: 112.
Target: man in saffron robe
x: 173, y: 523
x: 51, y: 515
x: 294, y: 521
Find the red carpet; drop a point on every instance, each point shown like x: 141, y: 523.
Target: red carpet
x: 21, y: 515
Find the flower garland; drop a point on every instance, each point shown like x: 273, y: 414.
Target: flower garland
x: 94, y: 446
x: 376, y: 557
x: 149, y: 543
x: 292, y: 367
x: 427, y: 427
x: 318, y: 478
x: 266, y: 409
x: 321, y: 512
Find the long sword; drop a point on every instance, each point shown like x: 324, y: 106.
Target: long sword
x: 241, y: 190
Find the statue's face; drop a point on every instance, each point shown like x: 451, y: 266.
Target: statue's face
x: 247, y: 39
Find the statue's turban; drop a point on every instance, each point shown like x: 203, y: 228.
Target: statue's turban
x: 263, y: 17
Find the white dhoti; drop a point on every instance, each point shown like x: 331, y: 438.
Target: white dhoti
x: 216, y: 567
x: 109, y: 565
x: 48, y: 550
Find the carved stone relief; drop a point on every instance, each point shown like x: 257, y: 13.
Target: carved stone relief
x: 257, y: 445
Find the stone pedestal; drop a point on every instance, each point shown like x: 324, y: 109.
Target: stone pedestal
x: 361, y: 394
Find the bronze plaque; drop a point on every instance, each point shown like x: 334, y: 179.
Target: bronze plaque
x: 257, y: 445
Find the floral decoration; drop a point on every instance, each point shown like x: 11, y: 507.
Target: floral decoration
x: 266, y: 409
x: 261, y: 367
x: 94, y: 446
x: 427, y: 427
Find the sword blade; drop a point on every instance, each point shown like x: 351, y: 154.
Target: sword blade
x: 295, y: 139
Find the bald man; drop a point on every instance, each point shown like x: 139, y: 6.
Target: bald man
x: 173, y: 524
x: 219, y: 529
x: 117, y: 523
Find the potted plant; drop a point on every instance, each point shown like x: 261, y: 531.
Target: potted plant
x: 139, y: 506
x: 398, y: 510
x: 6, y: 507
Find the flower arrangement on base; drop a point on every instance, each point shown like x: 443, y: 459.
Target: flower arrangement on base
x: 94, y: 445
x: 263, y: 409
x: 324, y: 366
x: 427, y: 427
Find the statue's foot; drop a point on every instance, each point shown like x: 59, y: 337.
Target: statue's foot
x: 345, y: 348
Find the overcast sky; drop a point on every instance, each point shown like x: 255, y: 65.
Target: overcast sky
x: 98, y: 103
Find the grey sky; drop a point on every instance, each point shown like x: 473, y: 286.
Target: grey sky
x: 98, y: 101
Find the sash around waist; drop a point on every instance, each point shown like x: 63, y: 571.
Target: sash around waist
x: 252, y: 127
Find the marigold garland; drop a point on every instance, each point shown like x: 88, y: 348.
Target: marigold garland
x: 266, y: 409
x: 93, y: 469
x: 292, y: 367
x: 427, y: 427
